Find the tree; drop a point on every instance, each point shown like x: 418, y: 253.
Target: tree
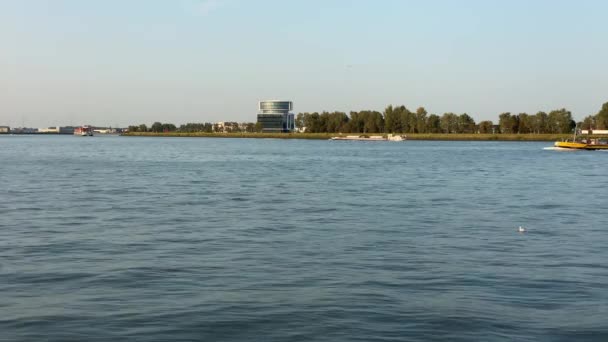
x: 466, y: 124
x: 588, y: 123
x: 421, y: 120
x: 323, y: 121
x: 355, y: 123
x: 299, y: 121
x: 143, y: 128
x: 541, y: 125
x: 304, y: 121
x: 196, y: 127
x: 449, y: 123
x: 504, y: 122
x: 370, y: 121
x: 168, y: 127
x: 486, y: 127
x: 514, y: 123
x: 509, y: 124
x: 524, y: 123
x: 433, y: 124
x: 560, y: 121
x: 408, y: 120
x: 315, y: 123
x: 156, y: 127
x: 390, y: 121
x: 337, y: 122
x: 601, y: 118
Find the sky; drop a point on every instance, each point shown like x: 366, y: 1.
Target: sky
x: 122, y: 62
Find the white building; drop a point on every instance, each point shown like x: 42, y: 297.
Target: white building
x: 225, y: 127
x: 57, y: 130
x: 594, y: 131
x: 49, y: 130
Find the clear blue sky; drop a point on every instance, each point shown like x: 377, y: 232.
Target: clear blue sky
x: 120, y: 62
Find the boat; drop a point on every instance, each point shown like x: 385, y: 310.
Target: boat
x: 583, y: 144
x: 364, y: 137
x: 396, y: 137
x: 577, y: 143
x: 84, y: 131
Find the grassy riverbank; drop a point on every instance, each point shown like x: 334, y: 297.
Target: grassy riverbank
x: 325, y: 136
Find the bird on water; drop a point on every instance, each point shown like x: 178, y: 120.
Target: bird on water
x: 521, y: 229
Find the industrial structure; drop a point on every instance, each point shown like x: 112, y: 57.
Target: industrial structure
x: 274, y: 116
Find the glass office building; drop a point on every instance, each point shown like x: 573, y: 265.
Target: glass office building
x: 275, y: 116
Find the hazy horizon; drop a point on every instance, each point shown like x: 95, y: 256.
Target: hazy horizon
x: 116, y: 63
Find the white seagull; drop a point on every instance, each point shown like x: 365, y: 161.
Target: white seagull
x: 521, y: 229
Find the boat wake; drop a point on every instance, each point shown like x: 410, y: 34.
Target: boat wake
x: 553, y: 148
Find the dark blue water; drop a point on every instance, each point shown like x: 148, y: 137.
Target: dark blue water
x: 179, y: 239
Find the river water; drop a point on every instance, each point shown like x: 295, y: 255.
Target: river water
x: 186, y: 239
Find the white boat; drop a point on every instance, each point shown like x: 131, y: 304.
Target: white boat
x: 396, y: 137
x: 84, y: 131
x: 390, y: 137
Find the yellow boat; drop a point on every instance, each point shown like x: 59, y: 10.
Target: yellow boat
x: 585, y: 144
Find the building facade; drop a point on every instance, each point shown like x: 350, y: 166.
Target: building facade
x: 275, y: 117
x: 24, y: 130
x: 57, y: 130
x: 225, y: 127
x: 5, y: 129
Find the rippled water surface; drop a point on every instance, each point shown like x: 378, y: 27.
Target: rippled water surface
x: 180, y: 239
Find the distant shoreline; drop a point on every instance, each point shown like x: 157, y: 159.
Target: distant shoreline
x: 326, y: 136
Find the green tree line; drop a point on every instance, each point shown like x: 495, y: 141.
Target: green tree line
x: 399, y: 119
x: 156, y: 127
x: 597, y: 121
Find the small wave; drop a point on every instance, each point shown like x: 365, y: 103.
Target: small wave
x: 554, y: 148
